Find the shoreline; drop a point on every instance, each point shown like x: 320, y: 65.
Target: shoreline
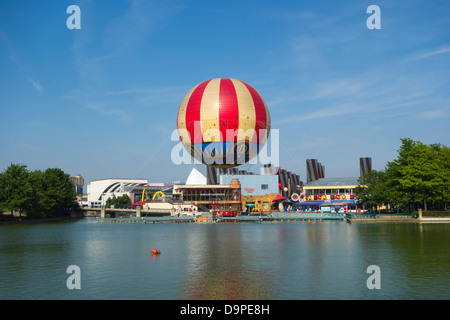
x: 26, y: 221
x: 73, y: 215
x: 246, y: 219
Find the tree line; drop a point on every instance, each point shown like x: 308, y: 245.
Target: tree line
x: 417, y: 178
x: 123, y: 201
x: 48, y: 193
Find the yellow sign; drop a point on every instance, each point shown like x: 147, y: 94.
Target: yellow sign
x: 159, y: 192
x: 144, y: 195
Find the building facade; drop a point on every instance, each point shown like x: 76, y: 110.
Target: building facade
x: 78, y: 183
x: 326, y: 194
x: 224, y: 199
x: 257, y: 191
x: 99, y: 191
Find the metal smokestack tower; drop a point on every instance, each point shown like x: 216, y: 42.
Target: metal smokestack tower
x: 365, y: 166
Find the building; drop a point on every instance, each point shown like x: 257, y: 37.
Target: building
x: 78, y: 183
x: 332, y: 193
x: 219, y: 198
x: 99, y: 191
x: 257, y: 191
x: 229, y: 193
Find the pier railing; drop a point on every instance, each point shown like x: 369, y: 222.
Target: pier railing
x: 306, y: 215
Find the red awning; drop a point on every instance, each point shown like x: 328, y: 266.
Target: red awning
x: 278, y: 197
x: 139, y: 203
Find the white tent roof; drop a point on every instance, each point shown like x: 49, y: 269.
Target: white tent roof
x: 196, y: 178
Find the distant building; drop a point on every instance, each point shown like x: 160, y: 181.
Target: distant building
x: 78, y: 183
x: 99, y: 191
x: 139, y: 190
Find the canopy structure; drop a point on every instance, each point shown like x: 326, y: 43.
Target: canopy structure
x: 196, y: 178
x: 278, y: 197
x: 325, y: 203
x: 139, y: 203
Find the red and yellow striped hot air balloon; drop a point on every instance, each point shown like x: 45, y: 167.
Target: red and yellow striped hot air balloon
x: 223, y: 122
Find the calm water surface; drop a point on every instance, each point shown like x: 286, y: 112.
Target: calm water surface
x: 326, y: 260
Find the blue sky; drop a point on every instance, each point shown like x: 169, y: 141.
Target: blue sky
x: 102, y: 101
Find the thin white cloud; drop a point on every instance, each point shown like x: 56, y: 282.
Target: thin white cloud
x: 123, y: 115
x: 15, y: 58
x: 339, y: 88
x: 36, y: 85
x: 433, y: 114
x: 333, y: 111
x: 435, y: 52
x: 125, y: 103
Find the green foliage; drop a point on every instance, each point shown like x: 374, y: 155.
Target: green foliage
x: 419, y: 176
x: 372, y: 189
x: 119, y: 202
x: 16, y: 191
x: 48, y: 193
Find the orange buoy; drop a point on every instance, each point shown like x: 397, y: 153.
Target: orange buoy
x: 155, y: 251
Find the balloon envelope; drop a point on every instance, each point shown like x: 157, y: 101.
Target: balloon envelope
x: 223, y: 122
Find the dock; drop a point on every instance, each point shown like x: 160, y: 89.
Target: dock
x: 207, y: 217
x: 138, y: 215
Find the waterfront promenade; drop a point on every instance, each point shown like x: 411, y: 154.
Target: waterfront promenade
x: 392, y: 217
x: 138, y: 212
x: 206, y: 217
x: 161, y: 216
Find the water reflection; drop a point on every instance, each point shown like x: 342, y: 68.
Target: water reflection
x: 300, y: 260
x: 219, y: 266
x: 269, y: 261
x: 414, y: 258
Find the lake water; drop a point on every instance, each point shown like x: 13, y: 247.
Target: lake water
x: 276, y: 261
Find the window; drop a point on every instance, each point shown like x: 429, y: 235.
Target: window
x: 264, y: 186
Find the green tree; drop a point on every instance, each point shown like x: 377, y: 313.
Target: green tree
x: 441, y: 191
x: 372, y: 189
x: 396, y: 194
x: 408, y: 193
x: 57, y: 193
x: 420, y: 173
x: 16, y: 191
x: 119, y: 202
x: 49, y: 193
